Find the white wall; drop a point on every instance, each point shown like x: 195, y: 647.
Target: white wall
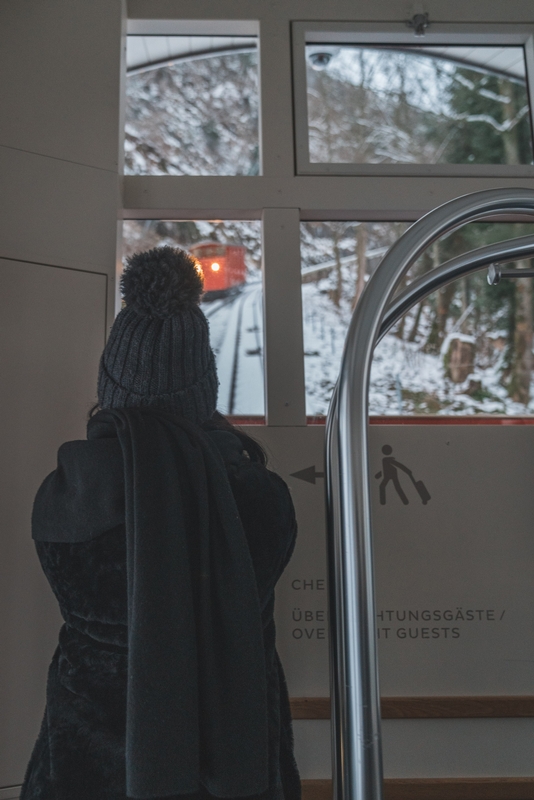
x: 60, y: 162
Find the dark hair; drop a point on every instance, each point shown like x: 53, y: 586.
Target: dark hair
x: 219, y: 423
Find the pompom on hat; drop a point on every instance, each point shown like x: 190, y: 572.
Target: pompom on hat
x: 158, y: 352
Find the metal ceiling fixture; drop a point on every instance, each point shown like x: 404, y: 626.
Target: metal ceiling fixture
x: 320, y: 60
x: 419, y: 23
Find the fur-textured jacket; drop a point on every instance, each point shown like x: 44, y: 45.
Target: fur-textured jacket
x: 80, y: 750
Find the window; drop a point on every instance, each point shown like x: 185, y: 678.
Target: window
x: 230, y: 255
x: 466, y: 349
x: 431, y: 105
x: 358, y: 100
x: 368, y: 101
x: 192, y: 105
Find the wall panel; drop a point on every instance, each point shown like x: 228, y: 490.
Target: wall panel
x: 56, y: 212
x: 60, y: 67
x: 52, y: 330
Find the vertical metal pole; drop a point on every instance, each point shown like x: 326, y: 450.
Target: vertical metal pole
x: 357, y: 753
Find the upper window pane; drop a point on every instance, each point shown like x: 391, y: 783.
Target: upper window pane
x: 417, y: 105
x: 192, y: 106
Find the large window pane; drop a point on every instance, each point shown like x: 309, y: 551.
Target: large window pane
x: 191, y: 106
x: 418, y: 105
x: 466, y: 349
x: 230, y: 254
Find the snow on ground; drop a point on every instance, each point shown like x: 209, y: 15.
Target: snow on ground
x: 404, y: 380
x: 249, y: 392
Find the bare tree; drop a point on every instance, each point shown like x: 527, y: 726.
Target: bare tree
x: 361, y: 258
x: 415, y: 327
x: 337, y: 292
x: 519, y: 385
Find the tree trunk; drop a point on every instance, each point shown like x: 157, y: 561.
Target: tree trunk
x: 417, y: 320
x: 465, y: 305
x: 399, y: 333
x: 509, y: 137
x: 443, y: 304
x: 336, y: 292
x: 361, y: 257
x: 519, y: 386
x: 437, y: 331
x: 460, y: 360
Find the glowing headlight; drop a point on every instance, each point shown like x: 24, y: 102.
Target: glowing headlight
x: 215, y: 267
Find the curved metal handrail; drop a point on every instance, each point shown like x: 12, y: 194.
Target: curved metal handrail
x: 357, y: 752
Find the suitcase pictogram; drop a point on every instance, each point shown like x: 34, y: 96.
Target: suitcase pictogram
x: 422, y: 491
x: 389, y: 472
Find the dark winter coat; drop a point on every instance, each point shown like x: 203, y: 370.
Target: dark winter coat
x: 96, y: 529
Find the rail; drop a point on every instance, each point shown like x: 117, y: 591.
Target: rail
x: 357, y: 752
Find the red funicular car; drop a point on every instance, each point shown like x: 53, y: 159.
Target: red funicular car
x: 223, y: 266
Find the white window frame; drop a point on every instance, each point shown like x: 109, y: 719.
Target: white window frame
x: 305, y: 33
x: 281, y: 197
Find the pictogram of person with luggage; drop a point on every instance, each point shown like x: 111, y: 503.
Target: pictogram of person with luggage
x: 389, y: 472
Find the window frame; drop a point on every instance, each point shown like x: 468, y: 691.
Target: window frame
x: 305, y: 33
x: 281, y: 197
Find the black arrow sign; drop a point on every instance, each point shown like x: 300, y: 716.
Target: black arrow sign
x: 309, y: 474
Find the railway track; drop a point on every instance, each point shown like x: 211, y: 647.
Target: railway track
x: 236, y: 336
x: 213, y: 307
x: 235, y: 365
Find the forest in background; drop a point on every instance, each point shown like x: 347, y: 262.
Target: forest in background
x: 465, y: 349
x: 386, y: 105
x: 194, y: 117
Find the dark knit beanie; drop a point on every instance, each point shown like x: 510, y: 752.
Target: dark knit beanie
x: 158, y: 352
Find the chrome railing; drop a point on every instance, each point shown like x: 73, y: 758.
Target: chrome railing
x: 357, y: 751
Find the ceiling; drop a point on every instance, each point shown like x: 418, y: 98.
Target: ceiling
x: 144, y: 52
x: 508, y: 61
